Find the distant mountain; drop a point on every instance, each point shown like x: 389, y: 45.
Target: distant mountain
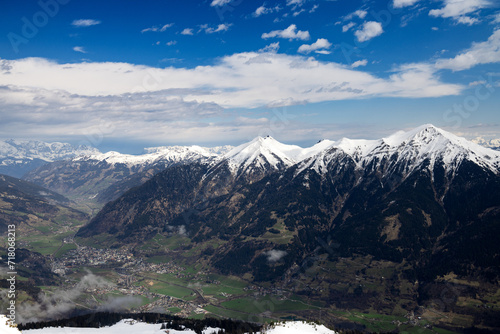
x: 491, y: 143
x: 424, y: 203
x: 102, y: 177
x: 18, y: 157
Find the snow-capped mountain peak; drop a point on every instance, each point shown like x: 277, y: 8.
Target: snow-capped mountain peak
x: 268, y: 152
x: 261, y: 152
x: 409, y: 149
x: 428, y: 142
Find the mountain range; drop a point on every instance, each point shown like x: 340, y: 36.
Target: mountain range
x: 409, y: 186
x: 100, y: 177
x: 423, y: 204
x: 87, y: 175
x: 20, y: 156
x: 379, y: 225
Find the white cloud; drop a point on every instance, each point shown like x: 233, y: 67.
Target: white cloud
x: 320, y: 44
x: 313, y: 9
x: 369, y: 30
x: 219, y: 3
x: 274, y: 255
x: 467, y: 20
x: 348, y: 26
x: 79, y: 49
x: 187, y: 31
x: 170, y: 43
x: 297, y: 13
x: 361, y: 13
x: 295, y: 2
x: 403, y: 3
x: 243, y: 80
x: 459, y: 9
x: 140, y: 116
x: 491, y: 143
x: 496, y: 18
x: 158, y: 28
x: 487, y: 52
x: 289, y: 33
x: 273, y: 47
x: 221, y: 27
x: 478, y: 83
x: 85, y: 23
x: 262, y: 10
x: 359, y: 63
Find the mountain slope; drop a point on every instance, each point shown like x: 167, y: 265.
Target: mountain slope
x: 99, y: 178
x: 396, y: 198
x: 41, y: 217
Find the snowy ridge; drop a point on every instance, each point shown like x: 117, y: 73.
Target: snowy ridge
x: 217, y: 150
x: 436, y: 145
x: 264, y: 152
x: 411, y: 149
x: 12, y: 150
x: 171, y: 154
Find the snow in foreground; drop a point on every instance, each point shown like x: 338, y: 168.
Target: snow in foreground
x: 5, y: 328
x: 133, y: 327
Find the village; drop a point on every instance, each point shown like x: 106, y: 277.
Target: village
x: 132, y: 273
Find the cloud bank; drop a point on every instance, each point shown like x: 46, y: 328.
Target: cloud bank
x: 42, y: 98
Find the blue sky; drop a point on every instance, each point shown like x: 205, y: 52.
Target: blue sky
x: 128, y: 74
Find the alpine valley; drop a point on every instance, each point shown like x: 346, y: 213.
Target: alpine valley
x: 395, y: 234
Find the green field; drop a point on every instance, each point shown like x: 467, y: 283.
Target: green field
x: 64, y: 249
x: 174, y: 310
x: 266, y: 304
x: 164, y: 288
x: 225, y: 313
x: 46, y: 245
